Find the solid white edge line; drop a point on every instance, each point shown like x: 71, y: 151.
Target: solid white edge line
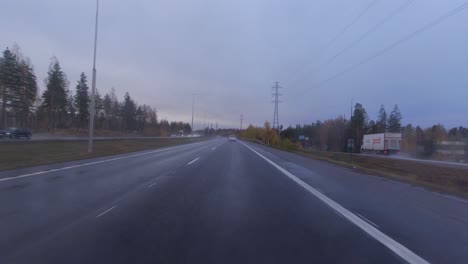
x: 93, y: 163
x: 106, y: 211
x: 369, y: 221
x: 387, y: 241
x: 193, y: 161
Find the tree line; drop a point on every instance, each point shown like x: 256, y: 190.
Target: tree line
x: 58, y: 107
x: 333, y: 134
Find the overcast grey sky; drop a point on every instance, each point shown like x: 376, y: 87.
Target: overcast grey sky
x: 231, y: 53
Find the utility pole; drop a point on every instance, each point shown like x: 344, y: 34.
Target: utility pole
x: 93, y: 87
x: 241, y: 120
x: 276, y: 96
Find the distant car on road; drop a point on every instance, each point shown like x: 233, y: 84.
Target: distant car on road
x: 232, y: 138
x: 13, y: 132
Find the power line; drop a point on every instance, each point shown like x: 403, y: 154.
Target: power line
x: 345, y: 29
x: 366, y: 34
x: 393, y: 45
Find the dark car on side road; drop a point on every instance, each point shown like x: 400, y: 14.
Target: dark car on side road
x: 13, y: 132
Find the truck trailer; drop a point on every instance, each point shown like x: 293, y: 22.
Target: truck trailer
x: 382, y: 143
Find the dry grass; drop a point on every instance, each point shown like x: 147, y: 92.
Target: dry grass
x: 20, y: 154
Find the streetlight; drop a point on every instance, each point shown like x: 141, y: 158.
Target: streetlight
x: 351, y: 123
x: 357, y: 128
x: 204, y: 124
x: 193, y: 110
x: 93, y: 87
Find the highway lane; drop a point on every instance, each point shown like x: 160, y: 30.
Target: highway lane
x: 45, y: 137
x: 39, y: 204
x: 432, y: 224
x: 219, y: 202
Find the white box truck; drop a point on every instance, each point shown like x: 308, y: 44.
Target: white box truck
x: 383, y: 143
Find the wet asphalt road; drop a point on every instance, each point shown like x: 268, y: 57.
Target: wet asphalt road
x: 221, y: 202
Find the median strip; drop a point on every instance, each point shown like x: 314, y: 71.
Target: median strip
x: 20, y: 154
x: 90, y: 163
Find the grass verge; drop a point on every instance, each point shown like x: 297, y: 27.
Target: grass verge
x: 19, y: 154
x: 443, y: 178
x: 449, y: 179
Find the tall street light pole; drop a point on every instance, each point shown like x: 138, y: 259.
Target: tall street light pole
x: 93, y: 87
x: 193, y: 110
x: 204, y: 124
x: 351, y: 120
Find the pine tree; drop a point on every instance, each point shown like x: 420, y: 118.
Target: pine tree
x: 114, y: 110
x: 98, y: 103
x: 23, y: 95
x: 9, y: 82
x: 98, y: 107
x: 129, y: 112
x: 394, y: 120
x: 82, y: 101
x: 372, y: 128
x: 117, y: 115
x: 140, y: 118
x: 55, y: 96
x: 70, y: 111
x: 18, y: 87
x: 26, y: 95
x: 359, y: 123
x: 382, y: 120
x: 107, y: 109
